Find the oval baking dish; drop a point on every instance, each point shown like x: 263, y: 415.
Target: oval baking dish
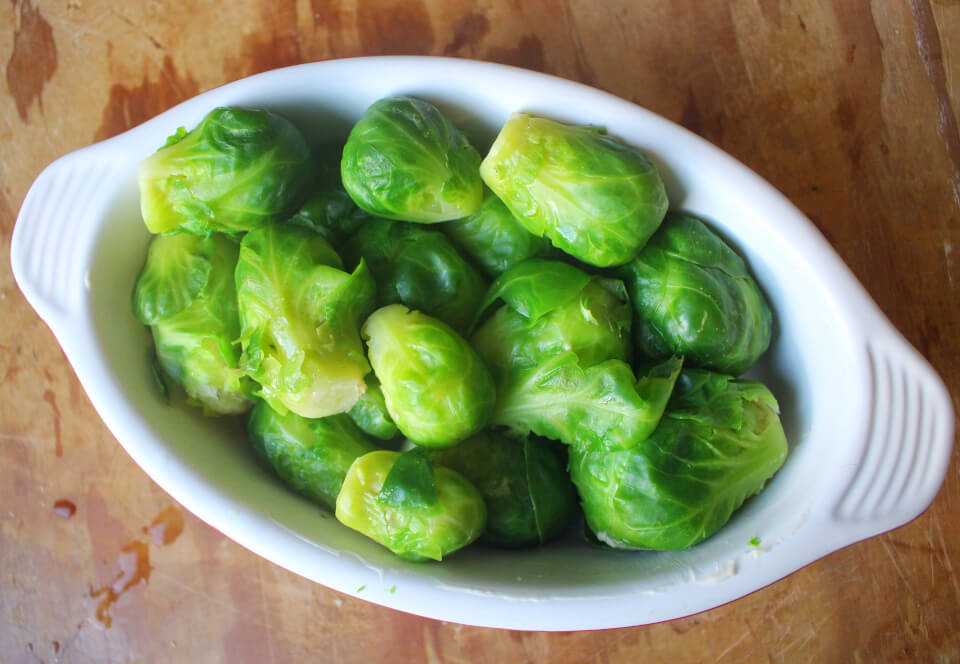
x: 869, y: 422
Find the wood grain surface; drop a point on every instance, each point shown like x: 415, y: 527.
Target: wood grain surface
x: 848, y: 107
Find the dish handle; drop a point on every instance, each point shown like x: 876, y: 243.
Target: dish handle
x: 907, y: 443
x: 50, y: 250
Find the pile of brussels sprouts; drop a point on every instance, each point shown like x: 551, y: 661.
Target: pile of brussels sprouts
x: 441, y: 348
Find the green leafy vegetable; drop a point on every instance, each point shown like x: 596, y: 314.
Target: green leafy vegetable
x: 405, y: 160
x: 370, y: 412
x: 186, y: 295
x: 435, y: 386
x: 594, y: 197
x: 237, y: 170
x: 412, y: 528
x: 311, y: 456
x: 300, y: 316
x: 493, y: 237
x: 418, y: 267
x: 530, y: 499
x: 552, y: 308
x: 693, y: 296
x: 718, y: 443
x: 410, y: 484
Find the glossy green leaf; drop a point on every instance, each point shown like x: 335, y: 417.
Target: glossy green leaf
x: 410, y: 484
x: 524, y: 483
x: 599, y: 407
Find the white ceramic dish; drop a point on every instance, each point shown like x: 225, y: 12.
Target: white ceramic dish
x: 869, y: 422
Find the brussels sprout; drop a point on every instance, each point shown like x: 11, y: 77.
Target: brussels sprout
x: 551, y: 308
x: 494, y: 238
x: 370, y: 412
x: 405, y: 160
x: 300, y: 316
x: 237, y: 170
x: 718, y: 443
x: 596, y: 198
x: 436, y: 388
x: 529, y: 496
x: 418, y: 267
x: 693, y: 296
x: 187, y: 296
x: 311, y: 456
x: 558, y: 350
x: 417, y: 510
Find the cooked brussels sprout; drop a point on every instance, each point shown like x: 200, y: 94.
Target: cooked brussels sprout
x: 237, y: 170
x: 718, y: 443
x: 529, y: 496
x: 493, y: 237
x: 300, y: 317
x: 186, y: 295
x: 405, y: 160
x: 596, y: 198
x: 693, y: 296
x: 417, y: 510
x: 558, y: 350
x: 370, y: 412
x: 311, y: 456
x: 551, y: 308
x: 436, y: 388
x: 420, y: 268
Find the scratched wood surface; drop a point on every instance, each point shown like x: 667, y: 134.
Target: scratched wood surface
x: 849, y: 108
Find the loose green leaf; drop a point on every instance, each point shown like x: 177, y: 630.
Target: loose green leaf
x: 410, y: 483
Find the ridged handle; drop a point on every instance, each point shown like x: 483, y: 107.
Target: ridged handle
x: 55, y: 225
x: 908, y: 439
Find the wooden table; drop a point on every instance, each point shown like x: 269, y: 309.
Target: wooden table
x: 850, y: 108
